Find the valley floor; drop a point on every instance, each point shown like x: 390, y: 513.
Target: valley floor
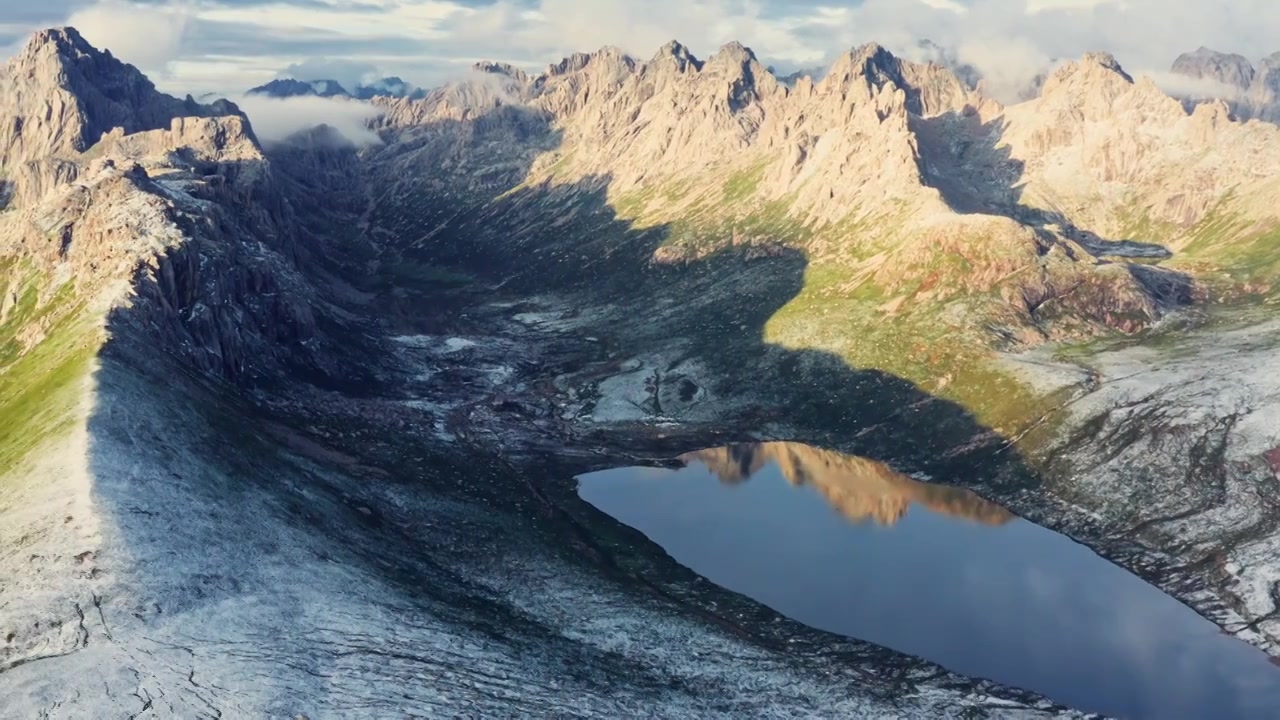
x: 408, y: 553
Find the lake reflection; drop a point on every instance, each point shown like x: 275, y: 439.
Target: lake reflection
x: 938, y: 572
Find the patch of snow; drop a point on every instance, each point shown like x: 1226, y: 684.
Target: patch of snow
x: 435, y: 342
x: 499, y: 374
x: 536, y: 318
x: 1038, y: 369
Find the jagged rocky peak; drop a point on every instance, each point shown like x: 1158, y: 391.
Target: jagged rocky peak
x: 488, y: 67
x: 610, y: 57
x: 62, y: 96
x: 391, y: 87
x: 675, y: 54
x: 732, y: 53
x: 871, y: 63
x: 61, y: 84
x: 60, y: 42
x: 1106, y: 61
x: 1092, y: 71
x: 1226, y: 68
x: 853, y: 64
x: 748, y: 79
x: 873, y: 59
x: 931, y: 52
x: 928, y: 88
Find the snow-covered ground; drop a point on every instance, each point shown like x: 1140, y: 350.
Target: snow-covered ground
x: 1174, y: 449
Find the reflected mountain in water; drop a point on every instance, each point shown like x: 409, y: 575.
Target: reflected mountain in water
x: 859, y: 488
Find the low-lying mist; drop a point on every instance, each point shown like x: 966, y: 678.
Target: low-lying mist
x: 275, y: 119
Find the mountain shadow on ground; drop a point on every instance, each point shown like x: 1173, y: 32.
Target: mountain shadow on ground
x: 965, y: 160
x: 567, y: 240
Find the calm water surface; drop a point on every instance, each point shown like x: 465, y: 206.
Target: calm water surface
x: 847, y: 545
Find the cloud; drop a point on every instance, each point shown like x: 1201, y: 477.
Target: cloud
x: 275, y: 119
x: 1181, y: 86
x: 1036, y: 6
x: 147, y: 36
x: 950, y: 5
x: 1008, y: 69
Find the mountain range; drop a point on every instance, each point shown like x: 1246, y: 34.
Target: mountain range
x: 290, y: 87
x: 292, y: 428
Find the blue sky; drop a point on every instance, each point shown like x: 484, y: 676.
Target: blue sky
x: 227, y: 45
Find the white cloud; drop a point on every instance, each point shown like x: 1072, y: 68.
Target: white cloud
x: 1195, y: 88
x: 275, y: 119
x: 148, y: 36
x: 949, y: 5
x: 1007, y: 68
x: 1036, y: 6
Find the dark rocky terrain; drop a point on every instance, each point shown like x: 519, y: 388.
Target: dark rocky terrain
x: 293, y: 429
